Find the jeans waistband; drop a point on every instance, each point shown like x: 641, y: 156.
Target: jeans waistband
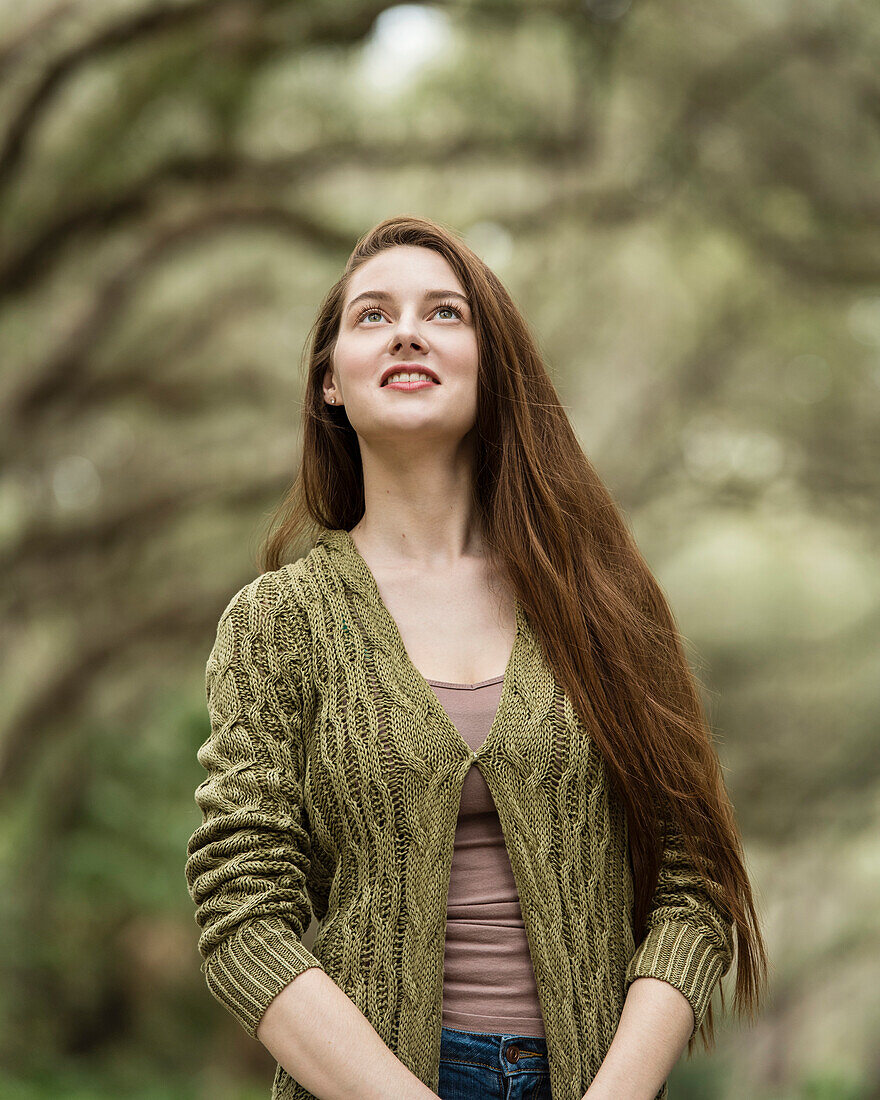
x: 507, y: 1053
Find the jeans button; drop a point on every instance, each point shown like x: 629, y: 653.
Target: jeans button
x: 512, y: 1054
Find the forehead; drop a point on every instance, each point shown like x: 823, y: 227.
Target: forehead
x: 404, y: 269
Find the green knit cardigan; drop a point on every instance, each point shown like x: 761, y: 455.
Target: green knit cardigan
x: 333, y: 784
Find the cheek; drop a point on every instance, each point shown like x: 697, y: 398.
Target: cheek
x: 357, y: 355
x: 469, y: 340
x: 458, y: 347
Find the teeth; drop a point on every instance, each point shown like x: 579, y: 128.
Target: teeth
x: 403, y: 376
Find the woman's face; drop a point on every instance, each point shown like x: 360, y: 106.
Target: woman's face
x: 407, y: 324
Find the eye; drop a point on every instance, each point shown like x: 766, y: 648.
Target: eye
x: 450, y: 306
x: 367, y: 310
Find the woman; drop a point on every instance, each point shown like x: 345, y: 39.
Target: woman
x: 460, y: 732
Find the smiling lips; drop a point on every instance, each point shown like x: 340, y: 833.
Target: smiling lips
x: 409, y: 380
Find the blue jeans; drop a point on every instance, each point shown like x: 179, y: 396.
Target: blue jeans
x: 478, y: 1066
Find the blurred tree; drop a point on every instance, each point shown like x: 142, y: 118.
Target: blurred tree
x: 685, y: 202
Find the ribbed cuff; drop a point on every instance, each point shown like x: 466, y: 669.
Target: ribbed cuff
x: 686, y: 957
x: 250, y: 969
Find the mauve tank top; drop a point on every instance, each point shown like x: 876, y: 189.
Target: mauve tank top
x: 488, y: 979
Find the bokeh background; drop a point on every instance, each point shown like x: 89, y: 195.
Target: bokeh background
x: 684, y: 200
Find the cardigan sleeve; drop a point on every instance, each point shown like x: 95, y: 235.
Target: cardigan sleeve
x: 248, y: 861
x: 689, y: 940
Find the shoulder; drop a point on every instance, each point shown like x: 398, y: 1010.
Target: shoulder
x: 277, y: 596
x: 263, y: 632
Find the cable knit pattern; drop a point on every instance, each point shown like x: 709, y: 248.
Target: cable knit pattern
x: 334, y: 777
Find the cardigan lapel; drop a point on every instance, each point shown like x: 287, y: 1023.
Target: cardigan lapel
x: 528, y: 688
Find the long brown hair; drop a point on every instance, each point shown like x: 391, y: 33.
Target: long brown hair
x: 554, y: 531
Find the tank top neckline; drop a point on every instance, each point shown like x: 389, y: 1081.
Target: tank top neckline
x: 465, y: 687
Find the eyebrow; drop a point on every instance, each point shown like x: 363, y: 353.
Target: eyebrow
x: 385, y: 296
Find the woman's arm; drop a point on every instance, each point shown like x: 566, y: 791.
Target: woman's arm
x: 689, y: 937
x: 688, y: 947
x: 249, y: 860
x: 328, y: 1046
x: 654, y: 1028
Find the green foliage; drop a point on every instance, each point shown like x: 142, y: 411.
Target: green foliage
x: 685, y: 207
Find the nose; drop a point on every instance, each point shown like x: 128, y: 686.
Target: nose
x: 412, y: 342
x: 406, y: 334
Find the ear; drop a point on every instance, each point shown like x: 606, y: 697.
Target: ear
x: 328, y: 385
